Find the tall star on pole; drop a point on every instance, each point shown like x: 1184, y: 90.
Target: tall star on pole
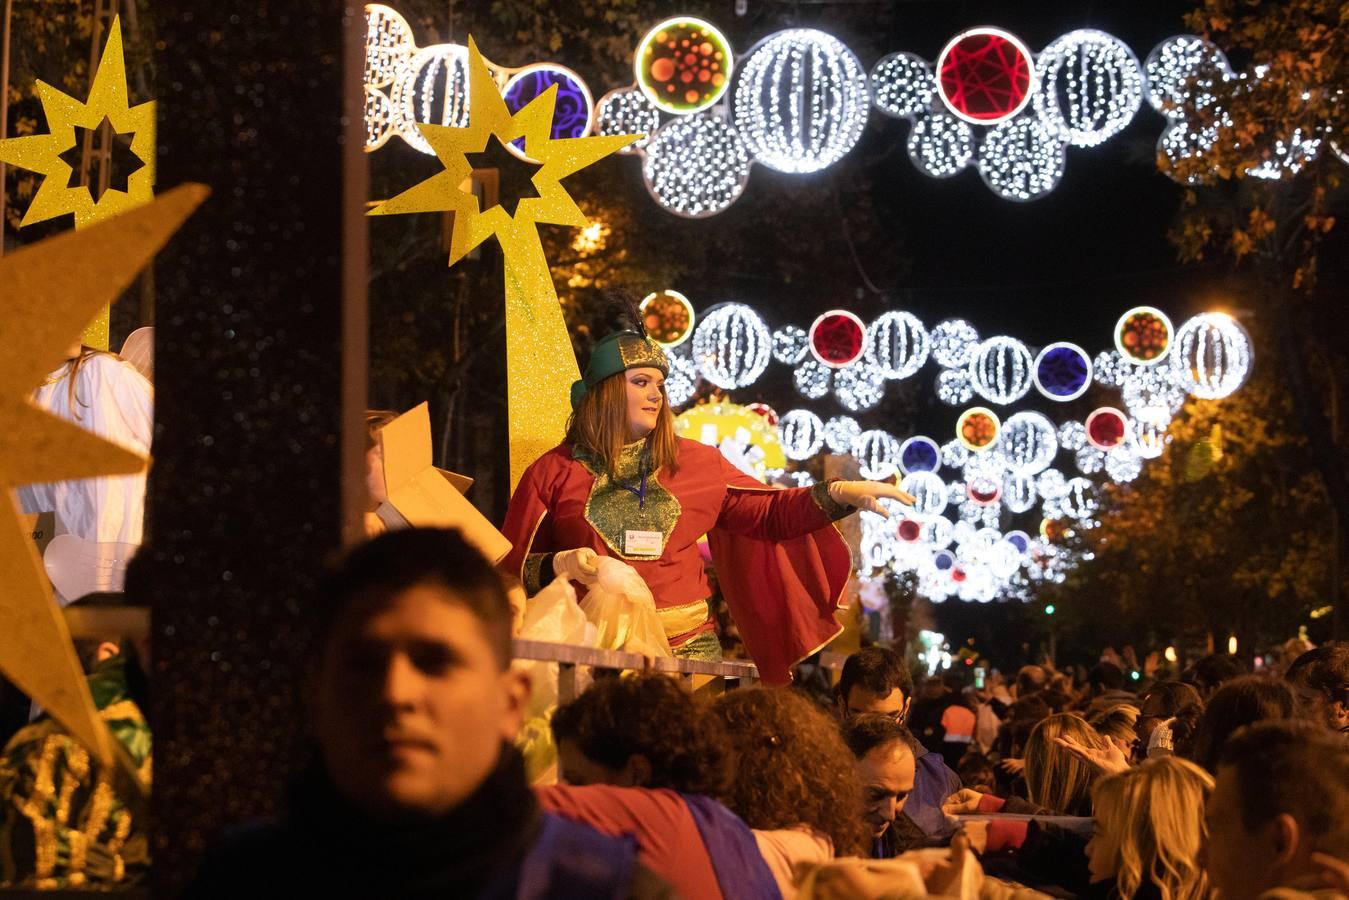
x: 540, y: 364
x: 42, y: 153
x: 51, y: 290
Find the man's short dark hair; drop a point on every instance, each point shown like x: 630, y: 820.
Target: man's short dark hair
x: 651, y: 715
x: 398, y: 560
x: 1208, y: 672
x: 869, y: 731
x: 877, y: 670
x: 1294, y: 768
x: 1106, y: 676
x: 1031, y: 678
x: 1324, y: 669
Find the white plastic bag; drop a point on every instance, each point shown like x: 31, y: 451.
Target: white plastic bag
x: 621, y: 607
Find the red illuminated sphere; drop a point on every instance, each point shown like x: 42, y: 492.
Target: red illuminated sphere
x: 1106, y: 428
x: 984, y: 76
x: 957, y: 574
x: 836, y: 338
x: 910, y: 531
x: 764, y: 410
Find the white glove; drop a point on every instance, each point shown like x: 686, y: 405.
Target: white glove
x: 865, y: 494
x: 580, y: 565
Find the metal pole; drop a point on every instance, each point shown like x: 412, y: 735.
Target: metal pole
x: 4, y: 110
x: 1336, y: 612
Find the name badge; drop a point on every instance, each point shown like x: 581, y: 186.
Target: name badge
x: 643, y: 543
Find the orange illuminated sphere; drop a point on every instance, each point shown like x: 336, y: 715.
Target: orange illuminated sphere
x: 686, y: 52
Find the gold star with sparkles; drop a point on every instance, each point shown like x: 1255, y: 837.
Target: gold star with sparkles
x: 51, y: 290
x: 540, y: 365
x: 42, y: 153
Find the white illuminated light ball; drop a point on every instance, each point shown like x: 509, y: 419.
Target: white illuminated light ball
x: 812, y: 379
x: 1072, y: 435
x: 379, y: 119
x: 681, y: 383
x: 877, y: 454
x: 627, y: 111
x: 940, y: 145
x: 954, y: 454
x: 1018, y: 493
x: 840, y: 432
x: 1211, y: 355
x: 1183, y: 73
x: 1051, y: 484
x: 897, y: 344
x: 954, y: 387
x: 801, y: 100
x: 902, y: 85
x: 1001, y: 370
x: 859, y: 387
x: 388, y: 45
x: 1123, y: 465
x: 1021, y: 159
x: 432, y: 88
x: 954, y: 342
x: 1091, y: 86
x: 1080, y: 500
x: 790, y: 345
x: 1089, y: 460
x: 696, y: 166
x: 928, y: 490
x: 1150, y: 435
x: 1028, y: 443
x: 801, y: 433
x: 731, y: 346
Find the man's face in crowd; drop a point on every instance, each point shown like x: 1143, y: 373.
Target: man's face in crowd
x: 886, y: 774
x: 860, y: 700
x: 1317, y: 706
x: 1242, y: 864
x: 412, y: 705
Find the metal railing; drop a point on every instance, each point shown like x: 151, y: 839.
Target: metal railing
x: 570, y: 658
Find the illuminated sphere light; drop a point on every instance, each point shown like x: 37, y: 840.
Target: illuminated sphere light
x: 954, y: 454
x: 682, y: 382
x: 910, y: 531
x: 940, y: 145
x: 837, y: 338
x: 731, y: 346
x: 668, y: 317
x: 1182, y: 73
x: 1089, y: 460
x: 683, y: 65
x: 985, y: 76
x: 954, y: 387
x: 984, y: 491
x: 954, y: 342
x: 1001, y: 370
x: 379, y: 119
x: 812, y: 379
x: 1143, y: 335
x: 1072, y: 435
x: 897, y: 344
x: 939, y: 530
x: 1018, y: 539
x: 388, y: 45
x: 1148, y: 391
x: 1211, y: 355
x: 1080, y: 500
x: 1109, y: 367
x: 902, y: 85
x: 943, y: 560
x: 1183, y: 141
x: 696, y: 166
x: 919, y: 454
x: 1019, y: 493
x: 627, y: 111
x: 1107, y: 428
x: 1150, y: 435
x: 1286, y: 157
x: 769, y: 414
x: 928, y: 490
x: 859, y: 387
x: 1021, y: 159
x: 840, y: 432
x: 573, y: 107
x: 801, y: 100
x: 1062, y: 371
x: 1051, y: 484
x: 877, y: 454
x: 801, y: 433
x: 1090, y: 86
x: 432, y: 89
x: 1123, y: 465
x: 977, y: 428
x: 1028, y: 443
x: 790, y: 345
x: 1003, y: 559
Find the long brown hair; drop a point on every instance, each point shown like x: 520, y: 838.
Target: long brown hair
x: 1055, y: 778
x: 599, y: 426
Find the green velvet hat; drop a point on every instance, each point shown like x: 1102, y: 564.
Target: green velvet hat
x: 616, y: 353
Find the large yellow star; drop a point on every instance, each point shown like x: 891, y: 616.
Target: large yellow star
x: 540, y: 365
x: 42, y: 153
x: 51, y: 290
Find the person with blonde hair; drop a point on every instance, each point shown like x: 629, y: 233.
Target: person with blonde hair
x: 1056, y: 778
x: 1149, y: 830
x: 1118, y: 724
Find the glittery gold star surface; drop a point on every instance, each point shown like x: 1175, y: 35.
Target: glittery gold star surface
x: 540, y: 363
x: 51, y: 290
x: 42, y: 153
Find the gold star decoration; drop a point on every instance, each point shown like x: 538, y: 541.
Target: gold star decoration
x: 51, y: 290
x: 540, y: 364
x: 42, y: 153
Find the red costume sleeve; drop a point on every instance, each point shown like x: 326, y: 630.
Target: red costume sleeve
x: 527, y: 524
x: 782, y: 567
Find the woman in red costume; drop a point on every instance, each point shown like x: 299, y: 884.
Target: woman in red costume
x: 623, y: 485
